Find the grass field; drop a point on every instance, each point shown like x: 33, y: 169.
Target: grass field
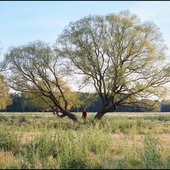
x: 119, y: 140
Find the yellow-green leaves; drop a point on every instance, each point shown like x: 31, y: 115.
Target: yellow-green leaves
x: 5, y: 99
x: 122, y: 56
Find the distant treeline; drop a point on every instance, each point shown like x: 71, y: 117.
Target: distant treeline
x: 23, y: 104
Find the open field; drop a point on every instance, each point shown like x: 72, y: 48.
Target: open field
x: 124, y: 114
x: 124, y: 140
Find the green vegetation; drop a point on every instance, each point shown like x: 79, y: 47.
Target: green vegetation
x: 122, y: 57
x: 5, y: 99
x: 121, y: 60
x: 39, y: 141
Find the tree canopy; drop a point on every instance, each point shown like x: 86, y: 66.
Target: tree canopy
x: 123, y: 57
x: 120, y: 57
x: 35, y: 68
x: 5, y: 99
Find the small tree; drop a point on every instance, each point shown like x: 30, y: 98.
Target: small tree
x: 35, y: 68
x: 122, y: 57
x: 5, y: 99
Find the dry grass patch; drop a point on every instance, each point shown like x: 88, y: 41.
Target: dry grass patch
x: 28, y: 137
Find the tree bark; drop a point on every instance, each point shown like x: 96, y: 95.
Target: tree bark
x: 69, y: 114
x: 103, y: 111
x: 100, y: 114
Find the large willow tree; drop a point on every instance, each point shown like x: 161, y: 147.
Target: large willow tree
x: 123, y: 57
x: 35, y: 69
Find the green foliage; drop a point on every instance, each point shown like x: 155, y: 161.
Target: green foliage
x: 168, y: 163
x: 150, y: 154
x: 164, y: 118
x: 159, y: 118
x: 41, y: 148
x: 36, y: 69
x: 3, y: 118
x: 8, y: 140
x: 122, y: 57
x: 5, y: 99
x: 40, y: 142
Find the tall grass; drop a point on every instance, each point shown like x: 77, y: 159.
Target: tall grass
x: 45, y: 142
x: 150, y: 154
x: 8, y: 140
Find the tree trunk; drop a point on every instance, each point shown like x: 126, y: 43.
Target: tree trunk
x: 100, y: 114
x: 103, y: 111
x: 69, y: 114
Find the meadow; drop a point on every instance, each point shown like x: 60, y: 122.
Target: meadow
x: 119, y: 140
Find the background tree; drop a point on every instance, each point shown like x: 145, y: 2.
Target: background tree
x: 122, y: 57
x: 42, y: 102
x: 35, y: 68
x: 5, y: 99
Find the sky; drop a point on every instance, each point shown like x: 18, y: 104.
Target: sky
x: 26, y: 21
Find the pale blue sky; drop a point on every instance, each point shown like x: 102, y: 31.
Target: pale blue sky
x: 23, y: 22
